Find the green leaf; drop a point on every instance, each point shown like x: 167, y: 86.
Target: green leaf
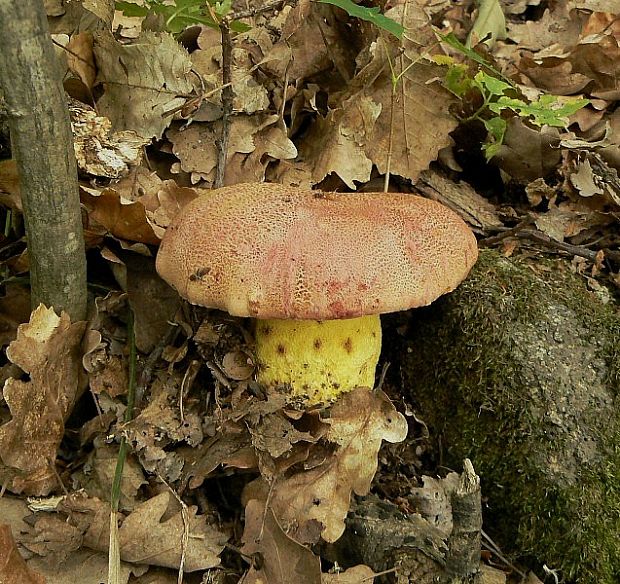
x: 493, y: 85
x: 457, y: 81
x: 496, y: 127
x: 546, y: 111
x: 490, y: 24
x: 451, y: 40
x: 223, y: 8
x: 370, y: 14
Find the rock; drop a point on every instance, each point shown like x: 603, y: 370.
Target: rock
x: 519, y: 370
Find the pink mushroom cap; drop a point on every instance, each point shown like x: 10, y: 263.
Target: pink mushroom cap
x: 271, y: 251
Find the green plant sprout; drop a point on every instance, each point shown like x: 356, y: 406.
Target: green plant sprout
x: 180, y: 14
x: 500, y: 95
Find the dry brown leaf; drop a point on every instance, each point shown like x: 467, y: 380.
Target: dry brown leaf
x: 305, y: 43
x: 360, y: 574
x: 279, y: 559
x: 48, y: 349
x: 594, y: 62
x: 369, y: 123
x: 52, y: 537
x: 249, y: 95
x: 101, y: 470
x: 359, y: 421
x: 162, y: 204
x: 83, y: 566
x: 251, y: 138
x: 80, y: 58
x: 14, y: 310
x: 558, y: 26
x: 13, y: 568
x: 336, y: 143
x: 121, y: 217
x: 153, y: 534
x: 528, y: 153
x: 275, y: 435
x: 142, y: 82
x: 111, y: 377
x: 73, y: 17
x: 223, y: 449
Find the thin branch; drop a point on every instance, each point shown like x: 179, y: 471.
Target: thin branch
x: 520, y: 232
x: 227, y: 104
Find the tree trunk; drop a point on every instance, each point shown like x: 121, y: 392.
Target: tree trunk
x: 42, y: 146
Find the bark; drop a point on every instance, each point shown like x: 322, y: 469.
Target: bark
x: 42, y: 146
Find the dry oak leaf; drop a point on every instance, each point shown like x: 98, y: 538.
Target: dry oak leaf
x: 279, y: 558
x: 143, y: 81
x: 359, y: 421
x: 48, y: 349
x: 373, y: 124
x: 153, y: 534
x: 121, y: 217
x: 13, y: 568
x: 336, y: 143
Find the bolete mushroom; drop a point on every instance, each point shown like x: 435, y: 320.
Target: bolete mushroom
x: 316, y: 269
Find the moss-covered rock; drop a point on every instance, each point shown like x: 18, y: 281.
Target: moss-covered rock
x: 519, y: 370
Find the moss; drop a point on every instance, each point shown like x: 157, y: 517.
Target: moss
x: 518, y: 370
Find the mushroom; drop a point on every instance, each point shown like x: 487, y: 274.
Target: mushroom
x: 315, y: 269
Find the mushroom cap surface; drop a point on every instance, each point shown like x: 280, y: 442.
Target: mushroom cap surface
x: 271, y: 251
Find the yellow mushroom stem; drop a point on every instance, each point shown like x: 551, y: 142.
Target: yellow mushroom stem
x: 318, y: 360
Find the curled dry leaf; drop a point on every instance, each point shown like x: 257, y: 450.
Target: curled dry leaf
x: 48, y: 349
x: 123, y: 218
x: 280, y: 559
x: 359, y: 421
x: 13, y: 568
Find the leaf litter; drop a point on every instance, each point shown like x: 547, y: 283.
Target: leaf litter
x: 310, y: 108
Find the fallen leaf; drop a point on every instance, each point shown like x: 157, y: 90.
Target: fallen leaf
x: 359, y: 574
x: 13, y: 568
x: 143, y: 82
x: 121, y: 217
x: 278, y: 559
x: 359, y: 421
x: 153, y: 534
x: 48, y: 349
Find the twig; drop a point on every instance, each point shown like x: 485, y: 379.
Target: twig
x: 520, y: 232
x: 227, y: 104
x: 578, y: 250
x: 185, y: 537
x: 506, y: 233
x: 493, y: 547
